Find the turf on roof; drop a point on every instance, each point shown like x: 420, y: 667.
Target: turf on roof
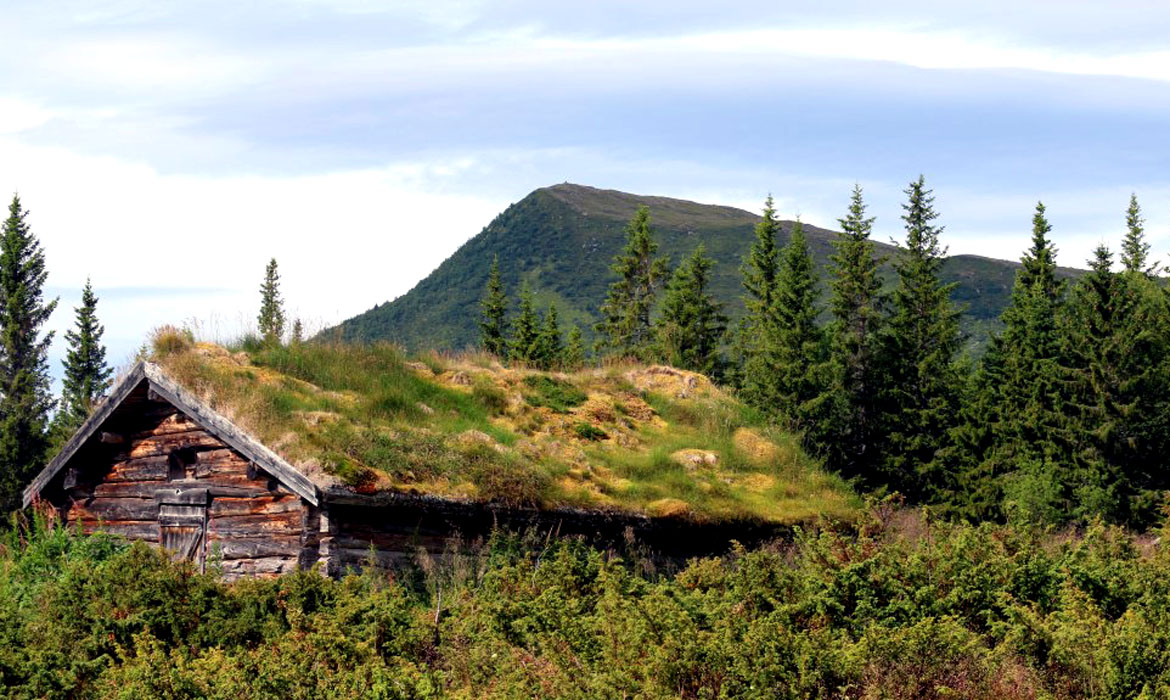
x: 641, y: 439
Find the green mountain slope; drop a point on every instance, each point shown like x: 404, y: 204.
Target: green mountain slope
x: 561, y: 240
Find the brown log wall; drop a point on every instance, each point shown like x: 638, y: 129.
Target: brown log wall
x: 254, y: 525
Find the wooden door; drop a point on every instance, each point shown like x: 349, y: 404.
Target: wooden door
x: 182, y: 524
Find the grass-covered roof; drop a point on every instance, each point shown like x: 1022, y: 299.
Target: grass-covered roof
x: 627, y: 438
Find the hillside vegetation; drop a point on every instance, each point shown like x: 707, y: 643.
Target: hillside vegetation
x: 897, y: 609
x: 562, y: 239
x: 642, y: 439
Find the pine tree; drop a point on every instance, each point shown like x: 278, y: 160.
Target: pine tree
x: 523, y: 346
x: 25, y: 400
x: 921, y: 386
x: 86, y: 374
x: 753, y: 342
x: 692, y: 324
x: 575, y: 349
x: 794, y: 356
x: 493, y: 328
x: 271, y: 317
x: 847, y: 429
x: 625, y: 327
x: 1135, y: 251
x: 550, y: 346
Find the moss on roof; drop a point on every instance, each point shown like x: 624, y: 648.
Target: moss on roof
x: 651, y: 440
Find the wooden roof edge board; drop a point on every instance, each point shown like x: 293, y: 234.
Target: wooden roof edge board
x: 126, y: 384
x: 231, y: 434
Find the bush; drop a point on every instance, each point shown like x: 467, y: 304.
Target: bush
x: 557, y: 394
x: 585, y: 431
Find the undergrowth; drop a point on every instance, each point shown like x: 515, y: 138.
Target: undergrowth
x: 898, y: 608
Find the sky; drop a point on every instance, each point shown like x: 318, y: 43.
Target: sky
x: 166, y: 150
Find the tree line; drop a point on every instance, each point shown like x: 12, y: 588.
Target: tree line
x: 1065, y: 417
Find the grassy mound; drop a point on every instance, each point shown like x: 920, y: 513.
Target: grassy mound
x: 629, y: 438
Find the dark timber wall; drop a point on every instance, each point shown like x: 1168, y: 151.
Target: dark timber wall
x: 162, y: 479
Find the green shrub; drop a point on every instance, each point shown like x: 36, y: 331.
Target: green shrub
x: 586, y: 431
x: 557, y: 394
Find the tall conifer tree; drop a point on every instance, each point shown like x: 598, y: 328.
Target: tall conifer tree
x: 86, y: 374
x: 692, y: 324
x: 625, y: 326
x: 575, y: 349
x: 271, y: 316
x: 752, y: 339
x: 1135, y: 251
x: 493, y: 328
x: 849, y: 432
x: 524, y: 343
x: 550, y: 346
x: 25, y: 400
x: 795, y: 349
x: 921, y: 386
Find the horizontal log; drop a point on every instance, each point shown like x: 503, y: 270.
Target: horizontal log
x: 256, y: 525
x: 146, y: 530
x: 397, y: 543
x: 129, y: 489
x: 165, y: 444
x: 358, y: 558
x: 256, y: 547
x: 170, y: 423
x: 153, y: 468
x: 221, y: 461
x: 259, y: 566
x: 261, y: 505
x: 115, y: 509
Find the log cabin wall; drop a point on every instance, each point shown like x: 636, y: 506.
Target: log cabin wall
x: 157, y: 476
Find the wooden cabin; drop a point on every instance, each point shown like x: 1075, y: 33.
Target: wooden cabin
x: 157, y: 464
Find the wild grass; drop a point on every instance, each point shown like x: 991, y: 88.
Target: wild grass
x: 373, y: 418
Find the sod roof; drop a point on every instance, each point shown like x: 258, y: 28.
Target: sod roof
x: 365, y: 420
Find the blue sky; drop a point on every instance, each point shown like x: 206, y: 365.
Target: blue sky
x: 168, y: 149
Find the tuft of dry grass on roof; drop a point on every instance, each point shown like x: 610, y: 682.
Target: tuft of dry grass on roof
x: 463, y: 426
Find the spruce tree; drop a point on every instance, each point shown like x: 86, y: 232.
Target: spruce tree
x: 625, y: 326
x: 86, y: 374
x: 920, y: 392
x: 794, y: 356
x: 25, y: 400
x: 550, y: 346
x: 847, y: 428
x: 298, y: 332
x: 523, y: 345
x: 271, y: 316
x: 692, y: 324
x: 753, y: 342
x: 575, y: 349
x: 1135, y: 251
x: 493, y: 328
x: 1026, y: 385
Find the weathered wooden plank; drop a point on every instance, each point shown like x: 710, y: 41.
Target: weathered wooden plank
x: 172, y: 422
x: 222, y: 461
x: 153, y: 468
x: 260, y: 566
x: 255, y: 525
x: 165, y: 444
x: 357, y: 558
x: 394, y: 542
x: 129, y: 489
x: 114, y: 509
x: 260, y: 505
x: 256, y: 547
x: 146, y: 530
